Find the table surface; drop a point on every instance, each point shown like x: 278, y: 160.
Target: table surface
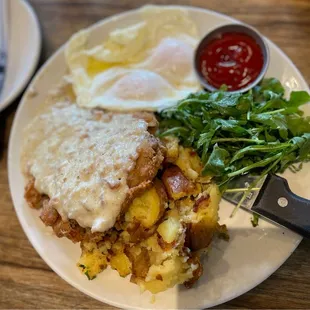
x: 26, y: 282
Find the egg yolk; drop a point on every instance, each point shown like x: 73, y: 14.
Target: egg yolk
x: 95, y: 66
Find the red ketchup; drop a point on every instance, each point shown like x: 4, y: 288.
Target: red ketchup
x: 234, y: 59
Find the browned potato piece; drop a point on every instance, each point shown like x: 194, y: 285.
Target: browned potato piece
x: 197, y: 272
x: 200, y: 234
x: 161, y: 191
x: 138, y: 232
x: 164, y: 245
x: 147, y: 209
x: 177, y: 185
x: 140, y: 261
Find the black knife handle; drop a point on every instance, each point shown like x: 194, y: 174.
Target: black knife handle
x: 277, y: 202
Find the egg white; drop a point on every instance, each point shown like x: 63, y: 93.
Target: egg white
x: 147, y: 66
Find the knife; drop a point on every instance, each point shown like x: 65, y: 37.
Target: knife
x: 3, y: 40
x: 273, y: 200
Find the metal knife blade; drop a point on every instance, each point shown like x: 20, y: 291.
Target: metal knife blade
x: 3, y: 40
x: 234, y: 190
x: 274, y: 200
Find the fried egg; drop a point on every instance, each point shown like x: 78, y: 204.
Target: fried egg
x: 147, y: 66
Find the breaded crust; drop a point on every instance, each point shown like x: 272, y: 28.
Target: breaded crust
x: 151, y: 155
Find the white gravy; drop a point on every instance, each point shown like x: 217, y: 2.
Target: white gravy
x: 81, y: 160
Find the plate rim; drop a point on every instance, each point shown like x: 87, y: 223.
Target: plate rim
x: 37, y: 76
x: 5, y: 102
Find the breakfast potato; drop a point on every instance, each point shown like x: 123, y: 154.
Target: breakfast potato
x: 177, y: 185
x: 148, y: 208
x: 162, y: 194
x: 138, y: 232
x: 173, y: 270
x: 172, y: 145
x: 189, y: 162
x: 121, y: 263
x: 171, y: 227
x: 196, y: 273
x: 140, y: 260
x: 92, y: 260
x: 200, y: 233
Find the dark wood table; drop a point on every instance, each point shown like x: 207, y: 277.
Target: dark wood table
x: 26, y: 282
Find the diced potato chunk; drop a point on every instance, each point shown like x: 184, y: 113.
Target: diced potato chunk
x: 189, y: 162
x: 172, y: 145
x: 171, y: 272
x: 169, y: 229
x: 138, y: 232
x: 176, y: 183
x: 118, y: 247
x: 201, y: 233
x: 197, y: 272
x: 140, y: 261
x: 91, y: 263
x: 145, y: 209
x: 215, y: 198
x: 121, y: 263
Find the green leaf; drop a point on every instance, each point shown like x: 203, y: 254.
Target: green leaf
x: 166, y: 123
x: 255, y: 219
x: 88, y: 276
x: 298, y: 125
x: 267, y: 148
x: 271, y: 101
x: 258, y: 164
x: 271, y: 84
x: 269, y: 137
x: 304, y: 150
x: 273, y: 121
x: 206, y: 137
x: 258, y: 132
x: 177, y: 131
x: 216, y: 163
x: 298, y: 98
x: 232, y: 125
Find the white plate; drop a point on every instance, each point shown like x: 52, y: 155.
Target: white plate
x: 231, y: 268
x: 23, y: 50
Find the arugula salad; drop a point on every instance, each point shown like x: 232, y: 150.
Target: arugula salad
x: 257, y: 132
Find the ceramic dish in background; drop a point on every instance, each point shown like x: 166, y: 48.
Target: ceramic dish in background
x: 231, y: 268
x: 23, y: 50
